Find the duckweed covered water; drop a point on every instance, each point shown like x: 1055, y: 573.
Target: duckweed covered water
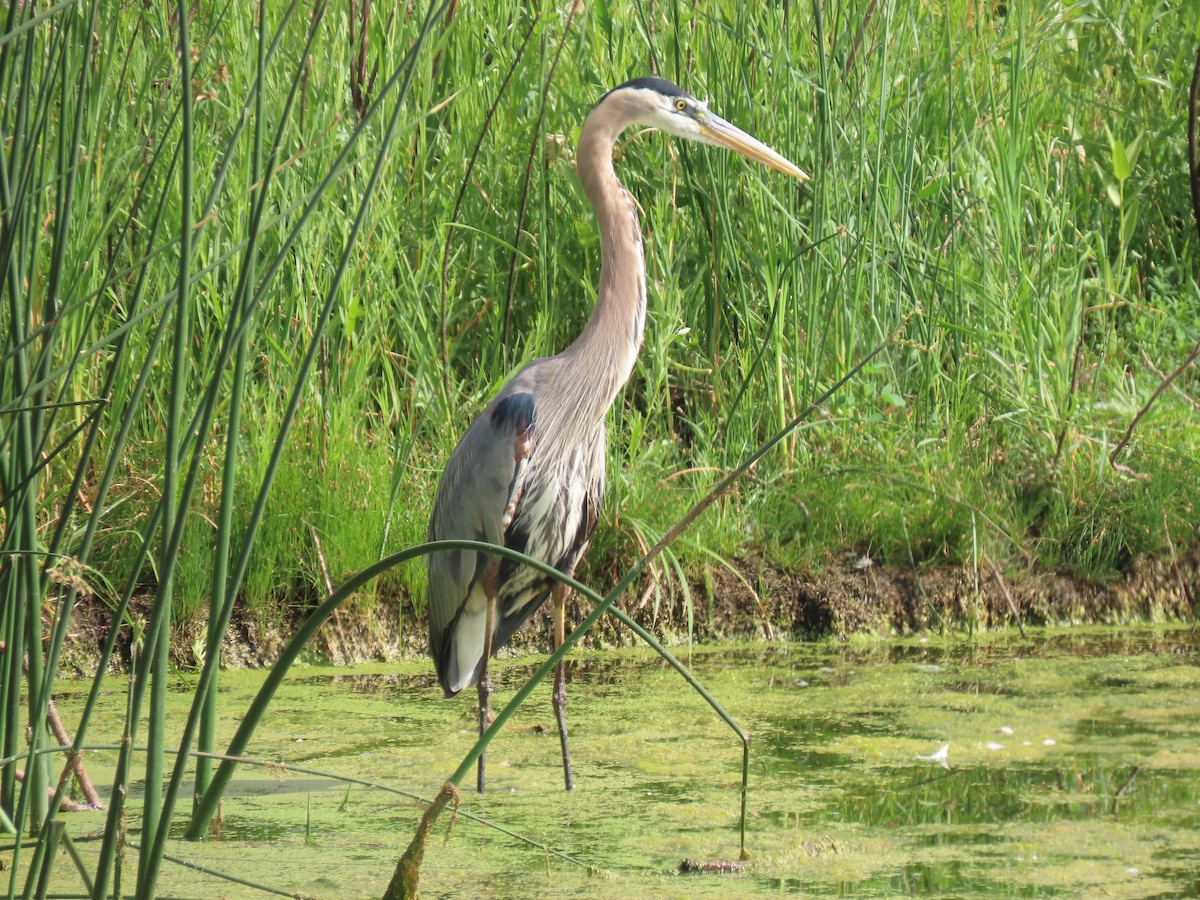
x: 1072, y: 770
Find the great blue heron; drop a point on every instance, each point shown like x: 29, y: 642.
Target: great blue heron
x: 529, y: 472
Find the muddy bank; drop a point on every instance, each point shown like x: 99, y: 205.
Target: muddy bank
x: 856, y: 595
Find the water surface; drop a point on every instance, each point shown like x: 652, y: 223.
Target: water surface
x: 1072, y: 771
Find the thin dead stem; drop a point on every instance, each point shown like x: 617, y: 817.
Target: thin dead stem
x: 1008, y: 597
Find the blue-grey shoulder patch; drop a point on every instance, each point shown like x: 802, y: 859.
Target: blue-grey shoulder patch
x: 514, y: 414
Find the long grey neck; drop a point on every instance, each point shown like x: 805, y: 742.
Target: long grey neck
x: 607, y: 348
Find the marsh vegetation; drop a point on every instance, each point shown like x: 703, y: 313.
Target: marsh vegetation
x: 252, y: 291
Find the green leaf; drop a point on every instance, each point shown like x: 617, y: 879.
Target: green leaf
x: 605, y: 17
x: 1120, y: 162
x: 931, y: 189
x: 1132, y: 151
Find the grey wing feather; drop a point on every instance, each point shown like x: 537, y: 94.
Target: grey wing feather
x: 476, y: 497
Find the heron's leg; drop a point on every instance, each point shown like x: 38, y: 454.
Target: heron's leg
x: 559, y: 599
x: 485, y: 683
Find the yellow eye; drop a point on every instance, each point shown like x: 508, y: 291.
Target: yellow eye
x: 681, y: 104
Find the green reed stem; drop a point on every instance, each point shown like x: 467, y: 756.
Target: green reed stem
x: 743, y: 735
x: 41, y: 673
x: 160, y: 622
x: 202, y: 810
x: 25, y: 159
x: 199, y: 425
x: 219, y: 597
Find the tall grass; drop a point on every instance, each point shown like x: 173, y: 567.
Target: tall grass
x: 964, y: 161
x: 252, y: 293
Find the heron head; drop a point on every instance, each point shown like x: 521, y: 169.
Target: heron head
x: 666, y: 106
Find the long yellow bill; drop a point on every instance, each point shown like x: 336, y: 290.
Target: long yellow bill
x: 729, y: 136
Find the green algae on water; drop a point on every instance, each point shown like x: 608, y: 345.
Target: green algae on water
x: 1071, y: 769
